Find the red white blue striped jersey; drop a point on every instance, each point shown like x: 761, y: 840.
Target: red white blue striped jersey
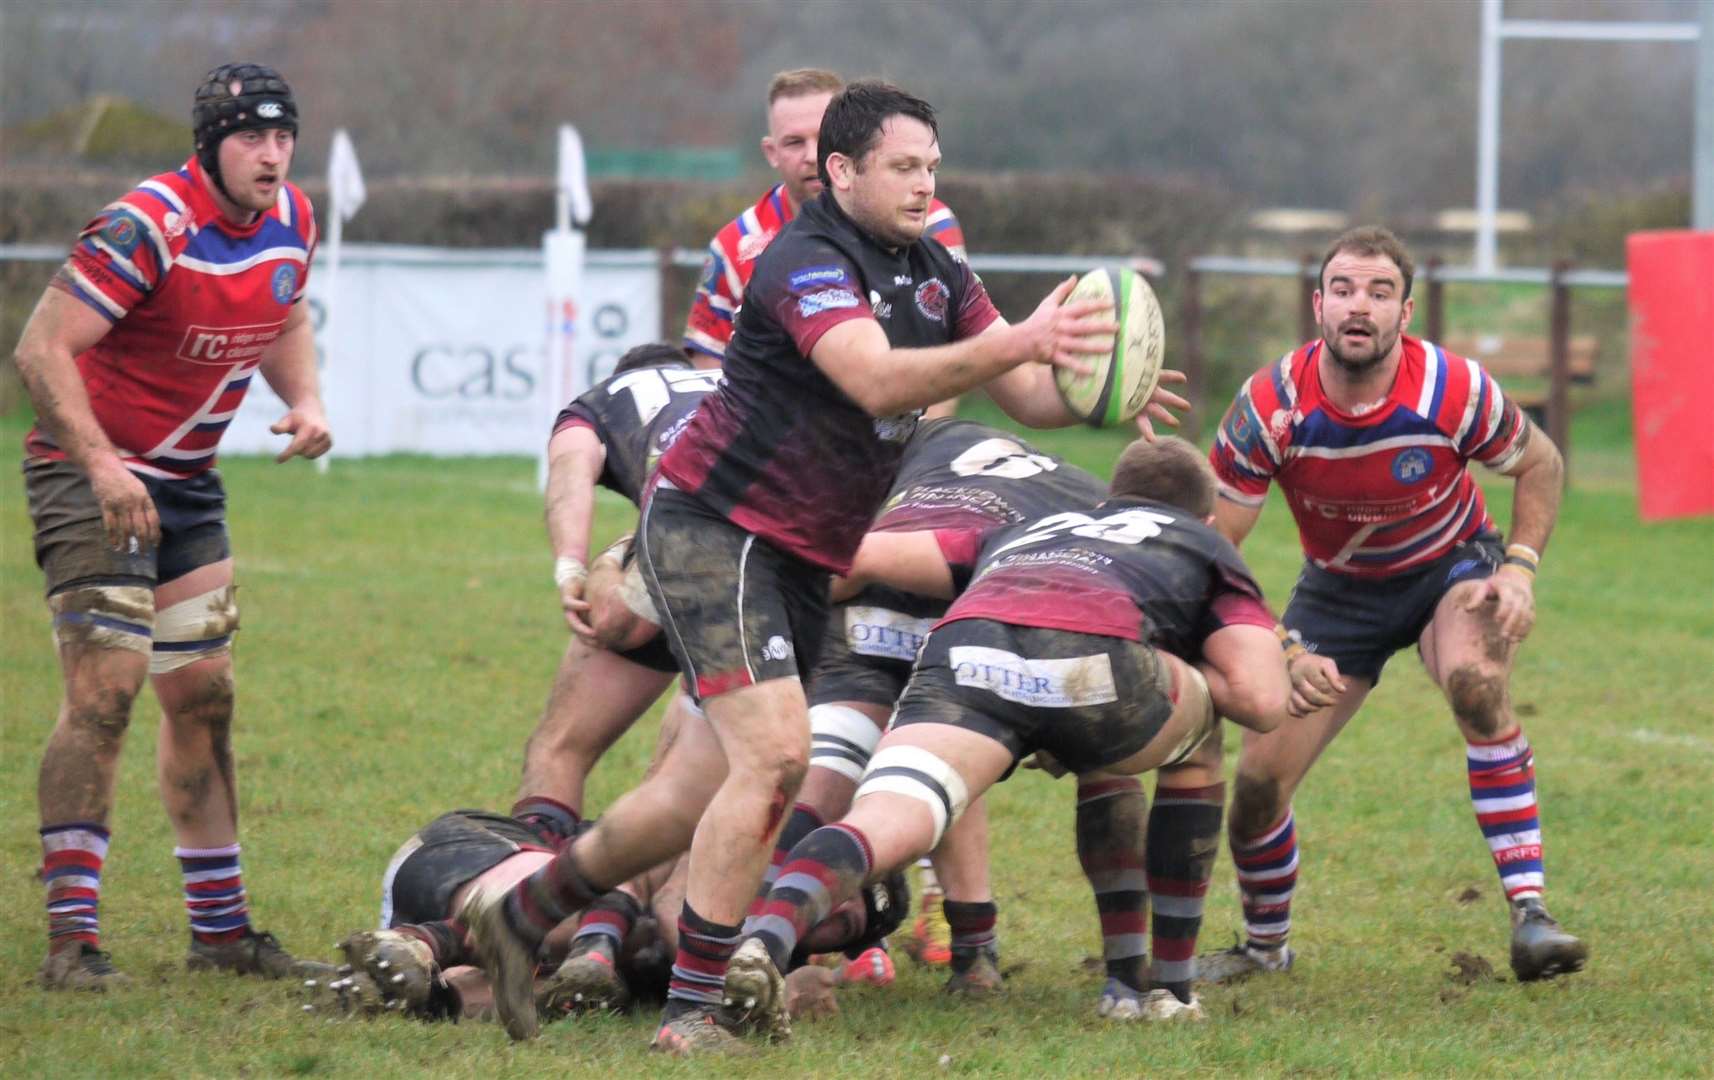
x: 194, y: 301
x: 1379, y: 493
x: 732, y: 259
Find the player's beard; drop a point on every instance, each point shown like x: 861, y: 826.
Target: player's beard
x: 1362, y: 359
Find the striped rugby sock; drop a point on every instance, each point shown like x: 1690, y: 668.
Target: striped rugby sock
x: 214, y: 893
x: 699, y: 971
x: 1111, y: 813
x: 804, y: 820
x: 822, y: 872
x: 1184, y: 837
x: 610, y: 917
x: 1502, y: 790
x: 72, y: 855
x: 1267, y: 877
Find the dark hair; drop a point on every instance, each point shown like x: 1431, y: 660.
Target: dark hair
x: 654, y: 354
x: 1168, y: 470
x: 1370, y: 240
x: 852, y: 123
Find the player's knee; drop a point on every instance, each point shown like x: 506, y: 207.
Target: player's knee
x: 842, y: 740
x: 209, y: 703
x: 104, y: 617
x: 917, y: 774
x: 101, y: 711
x: 1256, y: 805
x: 1478, y: 699
x: 198, y: 628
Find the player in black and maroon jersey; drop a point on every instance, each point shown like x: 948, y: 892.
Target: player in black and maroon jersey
x: 954, y: 474
x: 851, y: 324
x: 1107, y: 639
x: 611, y: 436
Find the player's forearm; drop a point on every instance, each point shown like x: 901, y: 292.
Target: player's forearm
x: 1028, y: 395
x: 289, y: 365
x: 1535, y: 499
x: 900, y: 380
x: 62, y: 403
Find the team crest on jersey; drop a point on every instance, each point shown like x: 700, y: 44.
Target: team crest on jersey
x: 932, y: 297
x: 1412, y: 464
x: 122, y: 233
x: 285, y: 283
x: 749, y: 247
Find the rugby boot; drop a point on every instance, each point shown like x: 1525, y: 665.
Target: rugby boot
x: 975, y: 971
x: 931, y: 938
x: 756, y: 992
x: 1162, y: 1004
x: 1242, y: 961
x: 402, y: 968
x: 873, y: 966
x: 588, y: 981
x: 348, y: 993
x: 1540, y: 949
x: 81, y: 966
x: 696, y: 1032
x: 254, y: 953
x: 508, y: 959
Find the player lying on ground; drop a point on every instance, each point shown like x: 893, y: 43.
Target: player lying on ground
x: 419, y: 962
x: 1370, y: 434
x: 1068, y: 640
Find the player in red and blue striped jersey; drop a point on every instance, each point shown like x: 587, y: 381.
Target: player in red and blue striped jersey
x: 796, y: 101
x: 175, y: 297
x: 1369, y: 433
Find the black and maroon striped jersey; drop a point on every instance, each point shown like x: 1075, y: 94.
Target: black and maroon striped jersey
x: 1131, y: 569
x: 778, y: 449
x: 637, y: 415
x: 958, y: 474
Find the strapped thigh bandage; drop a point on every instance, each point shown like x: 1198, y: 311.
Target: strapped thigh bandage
x: 1192, y: 684
x: 918, y: 774
x: 194, y: 629
x: 104, y: 617
x: 841, y: 739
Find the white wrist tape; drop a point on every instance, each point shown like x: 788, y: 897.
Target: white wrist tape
x: 566, y: 569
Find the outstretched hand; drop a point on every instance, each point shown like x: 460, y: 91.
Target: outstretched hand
x: 1161, y: 403
x: 307, y: 426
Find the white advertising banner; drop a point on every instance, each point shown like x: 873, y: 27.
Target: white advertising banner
x: 442, y: 351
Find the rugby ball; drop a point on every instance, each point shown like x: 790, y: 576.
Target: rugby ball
x: 1122, y: 380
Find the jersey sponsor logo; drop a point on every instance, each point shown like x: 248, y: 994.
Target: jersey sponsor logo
x: 1002, y: 458
x: 901, y: 279
x: 1412, y: 464
x: 880, y: 632
x: 817, y: 275
x: 1068, y: 683
x: 778, y: 648
x: 270, y: 110
x: 122, y: 233
x: 175, y: 224
x: 1367, y: 513
x: 223, y: 346
x: 883, y: 308
x: 932, y: 298
x: 285, y: 283
x: 825, y: 300
x: 749, y: 247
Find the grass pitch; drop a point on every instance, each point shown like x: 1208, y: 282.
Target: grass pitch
x: 400, y: 632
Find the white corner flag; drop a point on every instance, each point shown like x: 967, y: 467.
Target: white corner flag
x: 344, y: 178
x: 345, y: 193
x: 563, y: 371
